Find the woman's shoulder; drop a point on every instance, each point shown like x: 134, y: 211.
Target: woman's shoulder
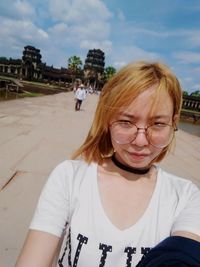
x: 71, y: 165
x: 176, y: 183
x: 70, y: 169
x: 68, y: 174
x: 178, y: 193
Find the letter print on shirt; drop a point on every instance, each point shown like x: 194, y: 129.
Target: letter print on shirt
x: 105, y: 248
x: 130, y: 251
x: 83, y: 240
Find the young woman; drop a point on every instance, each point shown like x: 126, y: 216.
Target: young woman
x: 115, y: 204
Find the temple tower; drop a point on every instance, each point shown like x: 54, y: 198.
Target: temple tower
x: 31, y: 63
x: 94, y: 67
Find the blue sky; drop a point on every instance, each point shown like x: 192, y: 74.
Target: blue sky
x: 168, y: 31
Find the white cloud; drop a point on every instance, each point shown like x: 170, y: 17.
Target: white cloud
x: 24, y: 30
x: 195, y: 39
x: 120, y: 15
x: 106, y: 45
x: 78, y: 36
x: 188, y: 79
x: 78, y: 24
x: 189, y: 37
x: 124, y: 54
x: 189, y: 76
x: 196, y: 86
x: 60, y: 31
x: 81, y: 24
x: 187, y: 57
x: 62, y: 28
x: 196, y: 70
x: 87, y: 19
x: 119, y: 64
x: 23, y: 8
x: 59, y: 9
x: 94, y: 31
x: 16, y: 34
x: 84, y: 11
x: 17, y: 9
x: 132, y: 29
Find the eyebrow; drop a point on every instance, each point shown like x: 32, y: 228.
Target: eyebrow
x: 126, y: 115
x: 131, y: 116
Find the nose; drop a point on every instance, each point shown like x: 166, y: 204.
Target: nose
x: 141, y: 138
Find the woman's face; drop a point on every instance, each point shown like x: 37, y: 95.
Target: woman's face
x: 140, y: 153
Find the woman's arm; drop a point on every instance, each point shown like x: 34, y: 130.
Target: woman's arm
x: 187, y: 234
x: 39, y: 250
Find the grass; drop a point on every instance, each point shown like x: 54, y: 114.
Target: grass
x: 13, y: 95
x: 37, y: 84
x: 34, y: 83
x: 191, y: 111
x: 6, y: 78
x: 29, y: 94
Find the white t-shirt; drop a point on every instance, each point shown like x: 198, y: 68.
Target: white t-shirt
x: 71, y: 195
x: 80, y: 94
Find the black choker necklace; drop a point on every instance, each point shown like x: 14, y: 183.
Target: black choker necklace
x: 127, y: 168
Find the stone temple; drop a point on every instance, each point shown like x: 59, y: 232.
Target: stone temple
x: 30, y: 67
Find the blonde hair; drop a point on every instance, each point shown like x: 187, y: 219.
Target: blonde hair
x: 119, y: 92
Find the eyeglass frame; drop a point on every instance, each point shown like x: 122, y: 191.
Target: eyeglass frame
x: 146, y: 134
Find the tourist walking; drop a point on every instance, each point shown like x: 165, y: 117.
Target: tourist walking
x: 80, y: 95
x: 112, y: 204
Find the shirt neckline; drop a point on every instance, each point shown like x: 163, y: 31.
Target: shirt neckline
x: 140, y: 222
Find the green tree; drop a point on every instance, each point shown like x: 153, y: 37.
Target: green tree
x: 108, y: 73
x: 74, y: 63
x: 185, y: 93
x: 3, y: 58
x: 195, y: 93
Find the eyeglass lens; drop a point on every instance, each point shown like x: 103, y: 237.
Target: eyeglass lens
x: 158, y: 135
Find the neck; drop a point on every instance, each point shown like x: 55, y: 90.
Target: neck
x: 120, y: 165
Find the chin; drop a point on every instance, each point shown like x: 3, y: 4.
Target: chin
x: 137, y: 163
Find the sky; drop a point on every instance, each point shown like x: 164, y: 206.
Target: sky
x: 125, y: 30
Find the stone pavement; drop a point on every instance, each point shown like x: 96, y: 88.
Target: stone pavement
x: 38, y: 133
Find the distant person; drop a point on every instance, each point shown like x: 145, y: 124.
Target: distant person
x: 90, y: 89
x: 74, y: 88
x: 80, y: 95
x: 112, y: 205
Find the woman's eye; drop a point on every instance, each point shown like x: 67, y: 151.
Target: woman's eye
x: 124, y: 123
x: 159, y: 124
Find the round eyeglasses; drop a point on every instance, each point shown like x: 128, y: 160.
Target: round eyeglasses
x: 158, y: 135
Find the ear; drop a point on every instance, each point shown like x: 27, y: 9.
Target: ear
x: 175, y: 119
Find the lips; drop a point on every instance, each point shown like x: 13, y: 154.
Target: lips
x: 138, y: 156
